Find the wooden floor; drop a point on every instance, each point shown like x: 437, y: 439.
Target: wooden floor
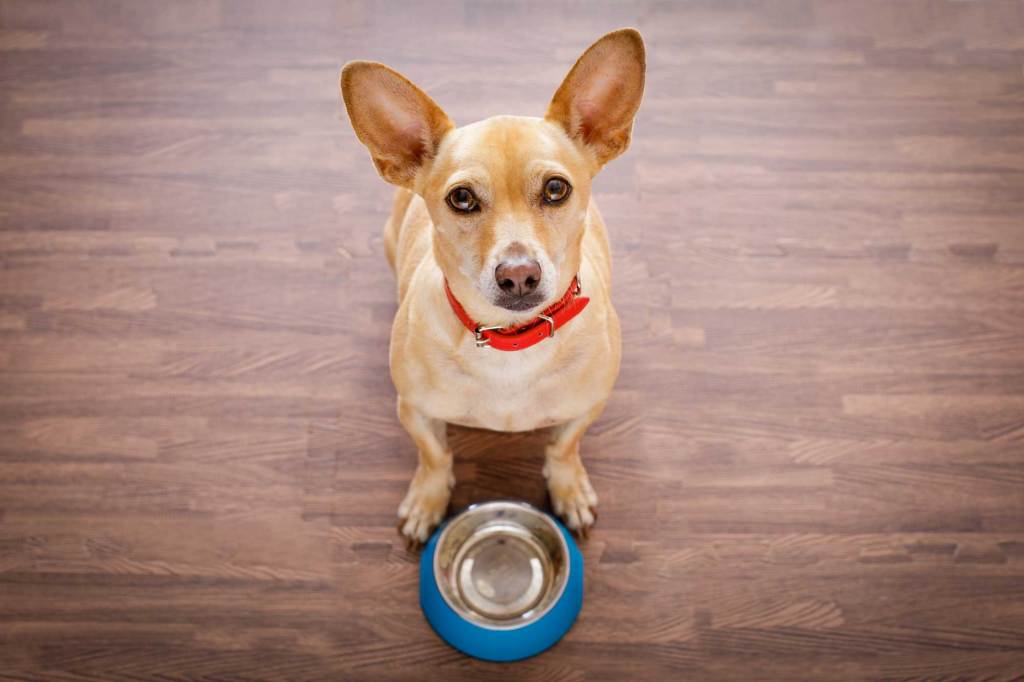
x: 812, y: 467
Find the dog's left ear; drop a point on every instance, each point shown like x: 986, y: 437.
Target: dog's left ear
x: 597, y: 101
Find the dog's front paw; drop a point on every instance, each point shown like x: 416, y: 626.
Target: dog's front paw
x: 572, y: 496
x: 425, y: 504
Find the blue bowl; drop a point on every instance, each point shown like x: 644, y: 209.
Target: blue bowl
x: 501, y: 581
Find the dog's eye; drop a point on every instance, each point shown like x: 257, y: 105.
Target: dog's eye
x: 463, y: 200
x: 556, y: 190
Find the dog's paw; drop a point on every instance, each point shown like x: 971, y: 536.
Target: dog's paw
x: 572, y: 496
x: 424, y: 505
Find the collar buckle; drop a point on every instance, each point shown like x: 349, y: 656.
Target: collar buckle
x: 481, y: 340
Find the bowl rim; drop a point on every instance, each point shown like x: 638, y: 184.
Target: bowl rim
x: 459, y: 610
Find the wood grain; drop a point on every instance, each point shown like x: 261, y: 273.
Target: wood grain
x: 812, y: 467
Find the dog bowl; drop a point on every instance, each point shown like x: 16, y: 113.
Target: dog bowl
x: 501, y: 581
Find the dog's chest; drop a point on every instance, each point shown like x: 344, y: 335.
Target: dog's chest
x: 507, y: 391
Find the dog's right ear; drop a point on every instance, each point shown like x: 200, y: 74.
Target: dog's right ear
x: 400, y: 125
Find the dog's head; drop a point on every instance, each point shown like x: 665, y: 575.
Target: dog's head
x: 509, y: 195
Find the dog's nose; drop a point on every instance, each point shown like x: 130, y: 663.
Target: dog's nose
x: 518, y: 278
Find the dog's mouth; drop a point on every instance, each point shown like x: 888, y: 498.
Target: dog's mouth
x: 518, y: 303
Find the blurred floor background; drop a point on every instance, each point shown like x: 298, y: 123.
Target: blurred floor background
x: 812, y: 466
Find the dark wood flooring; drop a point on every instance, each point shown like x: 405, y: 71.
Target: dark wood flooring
x: 812, y: 467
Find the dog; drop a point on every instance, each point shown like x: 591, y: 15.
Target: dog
x: 505, y: 320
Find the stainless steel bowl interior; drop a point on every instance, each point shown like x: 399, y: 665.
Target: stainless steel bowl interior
x: 501, y: 565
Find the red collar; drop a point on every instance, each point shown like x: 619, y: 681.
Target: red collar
x: 527, y: 334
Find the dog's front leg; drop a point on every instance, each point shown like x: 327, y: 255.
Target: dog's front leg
x: 430, y: 489
x: 572, y: 496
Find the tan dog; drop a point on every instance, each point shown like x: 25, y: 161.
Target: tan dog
x: 501, y: 210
